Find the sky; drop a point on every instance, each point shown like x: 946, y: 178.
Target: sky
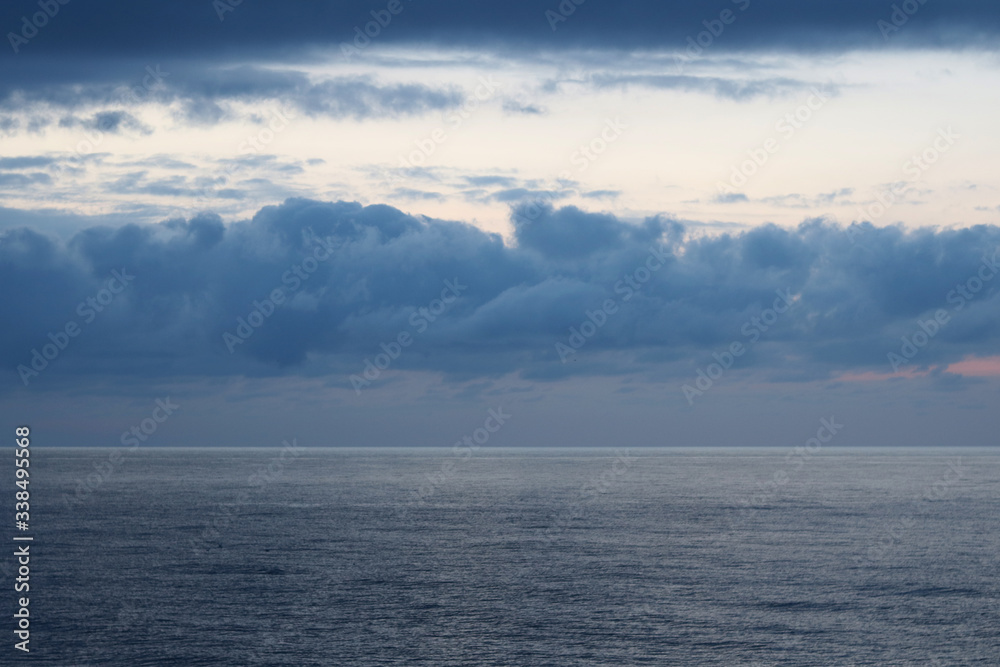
x: 637, y: 223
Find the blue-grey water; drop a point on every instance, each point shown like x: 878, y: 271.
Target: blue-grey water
x: 515, y: 557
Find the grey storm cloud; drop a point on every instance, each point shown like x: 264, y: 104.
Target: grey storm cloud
x: 857, y: 291
x: 204, y: 92
x: 82, y: 60
x: 191, y: 28
x: 111, y: 122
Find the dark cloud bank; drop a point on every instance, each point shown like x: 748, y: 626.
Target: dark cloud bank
x: 111, y: 28
x: 352, y: 277
x: 62, y: 58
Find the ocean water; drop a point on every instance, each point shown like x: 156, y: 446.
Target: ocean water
x: 515, y: 557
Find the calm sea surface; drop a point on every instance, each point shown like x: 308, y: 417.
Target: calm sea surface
x: 513, y: 557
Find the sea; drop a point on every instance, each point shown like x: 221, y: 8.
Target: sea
x: 512, y: 556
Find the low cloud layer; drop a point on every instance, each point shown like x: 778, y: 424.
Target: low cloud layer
x: 352, y: 277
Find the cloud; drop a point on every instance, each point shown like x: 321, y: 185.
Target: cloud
x: 517, y: 107
x: 857, y: 294
x: 520, y: 194
x: 602, y: 194
x: 134, y: 183
x: 412, y: 194
x: 110, y: 122
x: 727, y: 88
x: 201, y: 93
x: 360, y: 98
x: 25, y: 162
x: 16, y: 181
x: 796, y: 200
x: 64, y: 224
x: 506, y: 181
x: 189, y: 28
x: 730, y: 198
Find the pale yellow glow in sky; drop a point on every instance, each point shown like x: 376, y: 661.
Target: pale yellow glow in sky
x: 672, y: 148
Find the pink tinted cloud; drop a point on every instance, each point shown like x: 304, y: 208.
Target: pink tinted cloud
x: 969, y: 367
x: 872, y: 376
x: 976, y: 367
